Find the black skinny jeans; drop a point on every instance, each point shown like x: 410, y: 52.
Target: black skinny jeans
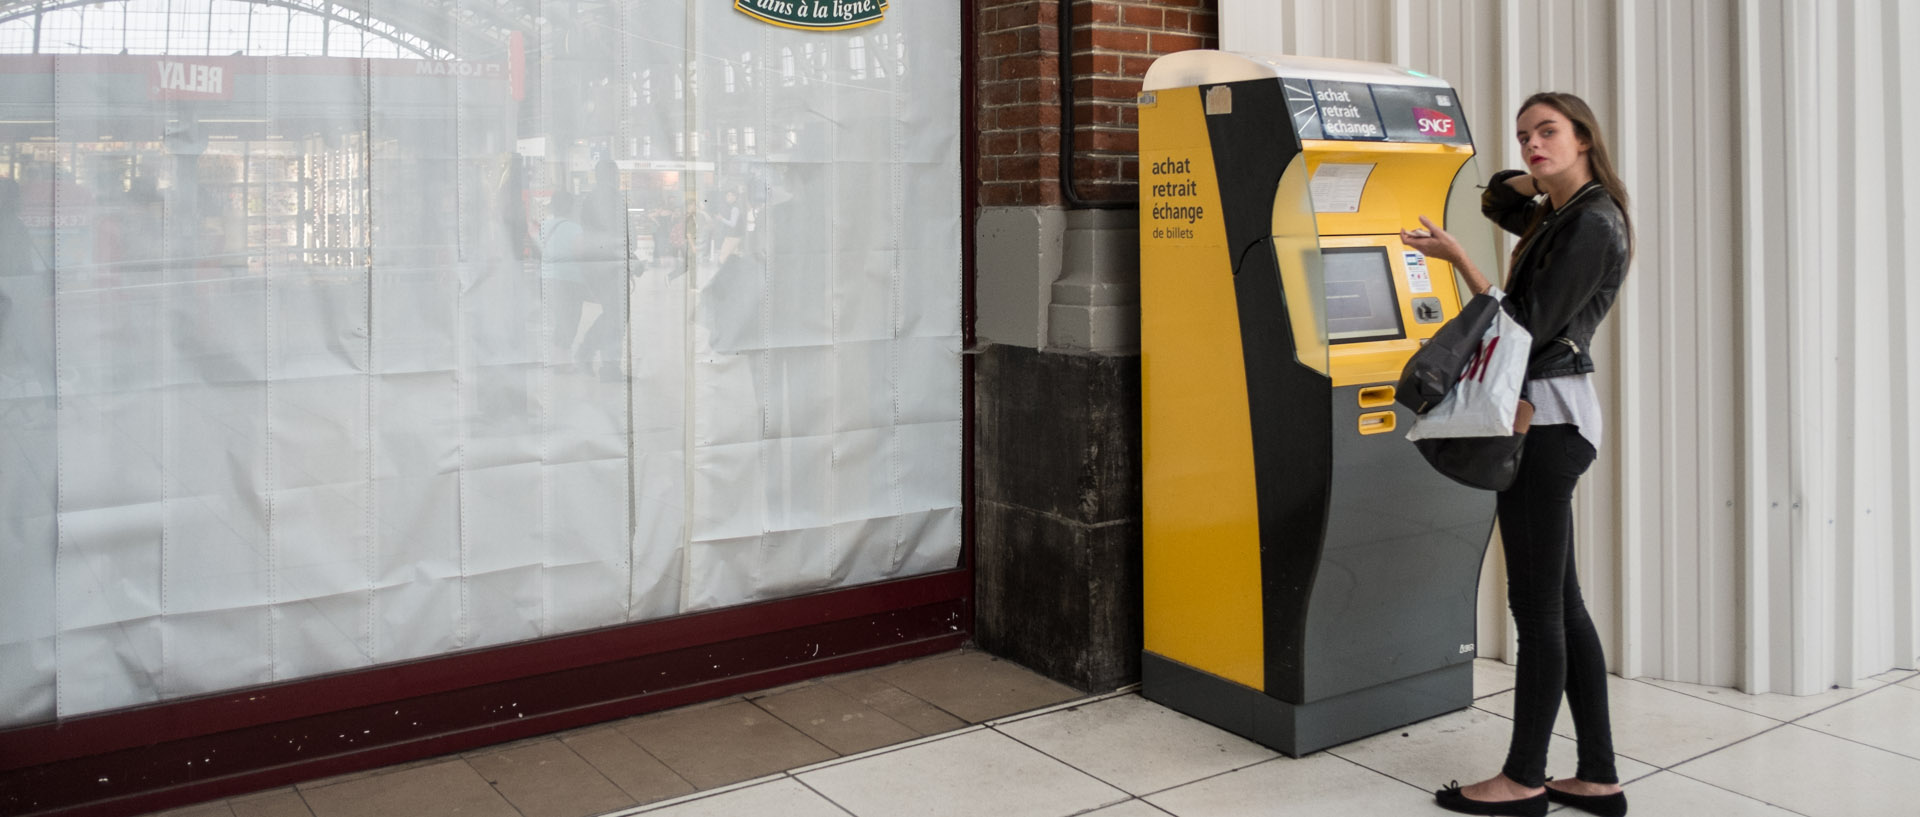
x: 1559, y: 649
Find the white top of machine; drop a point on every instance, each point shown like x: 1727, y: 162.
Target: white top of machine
x: 1186, y: 69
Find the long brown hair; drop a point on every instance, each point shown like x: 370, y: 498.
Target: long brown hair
x: 1599, y: 158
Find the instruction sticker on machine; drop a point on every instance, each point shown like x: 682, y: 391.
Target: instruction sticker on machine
x: 1336, y: 186
x: 1417, y: 279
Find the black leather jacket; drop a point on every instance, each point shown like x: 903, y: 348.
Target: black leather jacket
x: 1564, y: 280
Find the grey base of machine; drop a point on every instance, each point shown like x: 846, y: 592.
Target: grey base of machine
x: 1299, y: 729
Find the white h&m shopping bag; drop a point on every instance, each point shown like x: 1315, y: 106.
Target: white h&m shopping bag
x: 1482, y: 404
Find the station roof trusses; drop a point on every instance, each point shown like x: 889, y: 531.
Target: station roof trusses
x: 428, y: 29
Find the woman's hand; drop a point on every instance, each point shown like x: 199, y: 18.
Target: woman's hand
x: 1434, y: 242
x: 1526, y: 185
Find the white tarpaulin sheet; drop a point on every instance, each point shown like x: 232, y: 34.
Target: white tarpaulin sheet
x: 325, y: 345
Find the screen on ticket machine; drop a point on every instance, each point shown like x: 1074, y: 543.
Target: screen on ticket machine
x: 1303, y: 562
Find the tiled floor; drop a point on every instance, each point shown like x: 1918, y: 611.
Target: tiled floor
x: 965, y: 734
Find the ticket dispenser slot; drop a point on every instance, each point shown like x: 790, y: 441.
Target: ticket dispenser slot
x: 1309, y: 580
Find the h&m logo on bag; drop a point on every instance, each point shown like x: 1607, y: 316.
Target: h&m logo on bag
x: 1477, y: 368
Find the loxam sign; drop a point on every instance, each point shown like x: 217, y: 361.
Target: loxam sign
x: 815, y: 15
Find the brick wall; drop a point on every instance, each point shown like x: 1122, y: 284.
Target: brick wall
x: 1019, y: 96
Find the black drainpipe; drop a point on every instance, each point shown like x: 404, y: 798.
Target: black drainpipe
x: 1068, y: 186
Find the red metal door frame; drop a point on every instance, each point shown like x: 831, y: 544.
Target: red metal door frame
x: 180, y: 752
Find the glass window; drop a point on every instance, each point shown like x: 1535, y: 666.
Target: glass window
x: 384, y: 332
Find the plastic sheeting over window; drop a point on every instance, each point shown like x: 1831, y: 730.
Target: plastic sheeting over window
x: 319, y: 354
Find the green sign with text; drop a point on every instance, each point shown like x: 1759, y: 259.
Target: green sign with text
x: 815, y: 15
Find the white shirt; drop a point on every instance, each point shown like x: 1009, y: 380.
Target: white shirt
x: 1569, y: 400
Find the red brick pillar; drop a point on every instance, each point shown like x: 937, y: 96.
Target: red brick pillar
x: 1020, y: 118
x: 1057, y: 380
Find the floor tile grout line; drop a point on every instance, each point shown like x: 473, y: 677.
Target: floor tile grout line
x: 1651, y: 685
x: 938, y: 708
x: 1408, y: 783
x: 1657, y: 768
x: 1419, y: 787
x: 1795, y: 719
x: 1141, y: 799
x: 967, y: 725
x: 1854, y: 741
x: 1855, y: 697
x: 930, y: 660
x: 996, y: 724
x: 696, y: 796
x: 1718, y: 749
x: 1062, y: 706
x: 552, y: 738
x: 1838, y: 704
x: 494, y: 787
x: 1777, y: 723
x: 822, y: 795
x: 1090, y: 775
x: 1713, y: 785
x: 896, y: 687
x: 655, y: 758
x: 1132, y: 799
x: 1277, y: 758
x: 842, y: 693
x: 611, y: 727
x: 802, y: 732
x: 884, y: 750
x: 1795, y: 723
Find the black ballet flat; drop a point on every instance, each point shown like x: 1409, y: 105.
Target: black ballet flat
x: 1604, y: 805
x: 1451, y: 799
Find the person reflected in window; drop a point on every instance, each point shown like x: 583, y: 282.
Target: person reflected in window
x: 1569, y: 208
x: 26, y: 302
x: 603, y: 223
x: 560, y: 266
x: 729, y: 227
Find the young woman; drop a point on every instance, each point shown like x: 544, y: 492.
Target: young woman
x: 1569, y: 207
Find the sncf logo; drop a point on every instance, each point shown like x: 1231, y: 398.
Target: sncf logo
x: 1433, y: 123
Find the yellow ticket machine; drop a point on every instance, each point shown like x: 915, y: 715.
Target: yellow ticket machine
x: 1309, y: 579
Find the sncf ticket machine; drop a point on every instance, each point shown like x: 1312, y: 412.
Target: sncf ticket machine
x: 1309, y: 579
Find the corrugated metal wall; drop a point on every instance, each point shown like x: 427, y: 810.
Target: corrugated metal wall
x: 1751, y: 520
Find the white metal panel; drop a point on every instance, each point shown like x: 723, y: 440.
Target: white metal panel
x: 1763, y: 235
x: 1750, y: 520
x: 1256, y: 26
x: 1903, y: 198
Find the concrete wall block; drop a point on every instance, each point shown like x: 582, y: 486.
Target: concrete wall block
x: 1096, y: 301
x: 1058, y: 433
x: 1106, y: 241
x: 1019, y: 252
x: 1059, y: 597
x: 1104, y: 330
x: 1057, y: 571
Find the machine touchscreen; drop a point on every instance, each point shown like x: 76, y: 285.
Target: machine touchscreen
x: 1361, y: 304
